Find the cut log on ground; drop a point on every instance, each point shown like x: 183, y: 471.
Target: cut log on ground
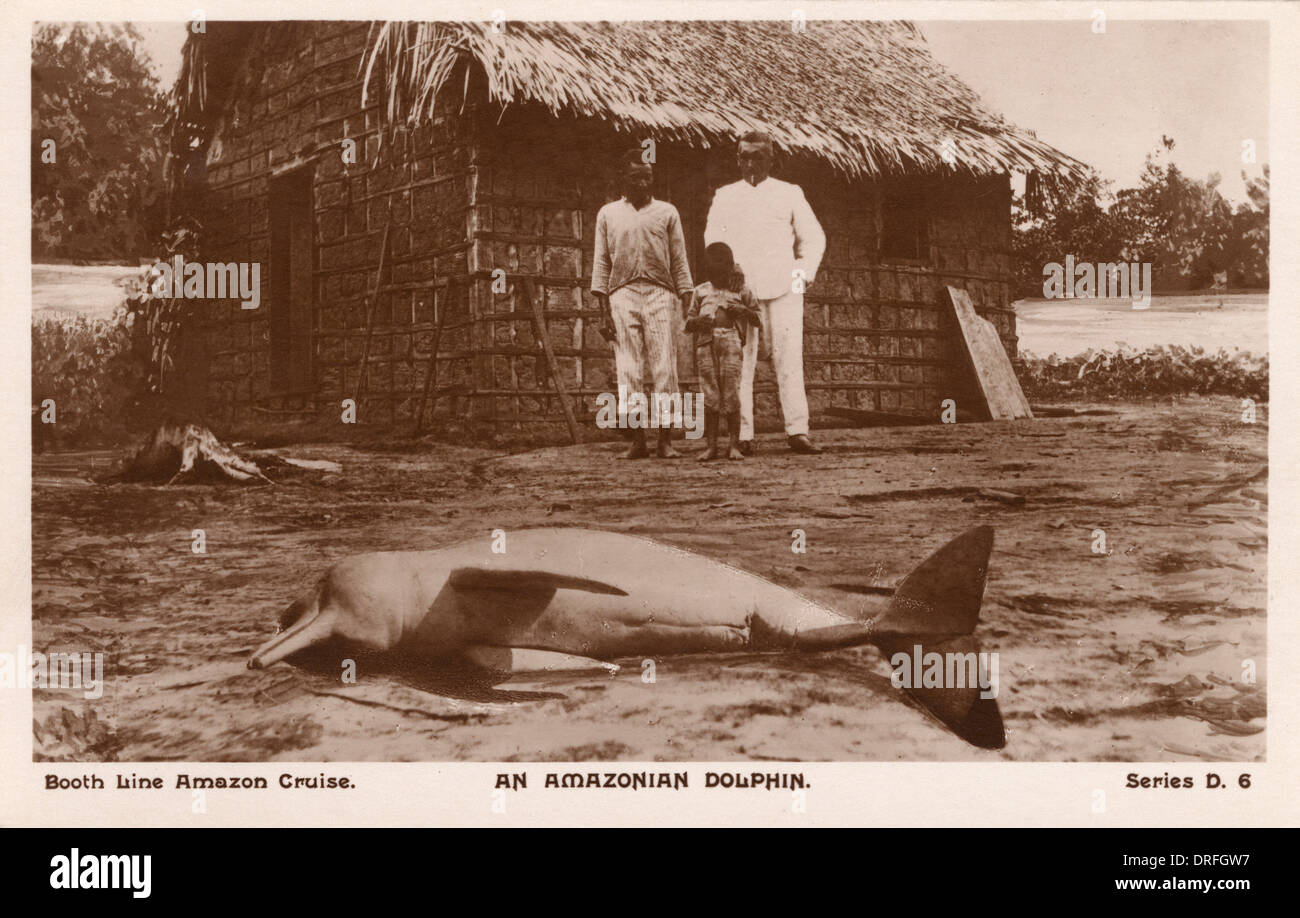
x: 187, y: 453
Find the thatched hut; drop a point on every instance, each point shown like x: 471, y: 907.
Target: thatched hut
x: 479, y: 150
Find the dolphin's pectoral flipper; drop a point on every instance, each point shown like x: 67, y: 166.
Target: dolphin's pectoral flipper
x: 478, y: 578
x: 502, y: 606
x: 529, y: 660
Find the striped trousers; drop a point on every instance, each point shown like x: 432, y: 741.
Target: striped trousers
x: 645, y: 346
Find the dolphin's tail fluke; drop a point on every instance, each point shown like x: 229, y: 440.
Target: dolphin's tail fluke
x: 927, y: 635
x: 311, y: 627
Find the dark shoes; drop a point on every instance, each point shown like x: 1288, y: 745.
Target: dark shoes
x: 800, y: 443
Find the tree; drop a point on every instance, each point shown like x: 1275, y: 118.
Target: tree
x: 1073, y: 221
x: 1248, y: 243
x: 96, y: 145
x: 1183, y: 227
x: 1180, y: 225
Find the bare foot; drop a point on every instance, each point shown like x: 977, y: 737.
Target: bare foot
x: 665, y: 451
x: 708, y: 455
x: 735, y: 453
x: 636, y: 451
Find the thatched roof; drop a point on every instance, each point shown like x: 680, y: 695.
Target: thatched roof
x: 866, y: 97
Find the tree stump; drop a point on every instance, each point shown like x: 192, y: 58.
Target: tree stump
x: 187, y: 453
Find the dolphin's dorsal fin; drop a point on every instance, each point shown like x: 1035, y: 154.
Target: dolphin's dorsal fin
x: 525, y: 581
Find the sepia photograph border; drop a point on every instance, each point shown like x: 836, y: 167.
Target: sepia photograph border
x: 926, y: 794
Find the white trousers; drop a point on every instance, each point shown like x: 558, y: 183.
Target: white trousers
x: 782, y: 320
x: 645, y: 346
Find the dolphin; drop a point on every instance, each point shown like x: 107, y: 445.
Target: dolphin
x: 557, y: 598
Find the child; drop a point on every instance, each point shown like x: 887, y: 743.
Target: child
x: 721, y: 314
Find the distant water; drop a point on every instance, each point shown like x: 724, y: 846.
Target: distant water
x: 1065, y: 327
x: 65, y: 291
x: 1237, y: 321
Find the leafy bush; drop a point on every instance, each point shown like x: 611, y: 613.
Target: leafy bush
x: 111, y: 379
x: 1155, y: 371
x: 91, y: 370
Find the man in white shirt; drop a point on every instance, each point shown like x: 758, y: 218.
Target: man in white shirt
x: 778, y: 245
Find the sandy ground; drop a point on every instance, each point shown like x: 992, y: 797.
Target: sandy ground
x: 1069, y: 327
x: 1137, y: 654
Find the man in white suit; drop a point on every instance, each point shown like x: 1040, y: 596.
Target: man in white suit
x: 778, y: 244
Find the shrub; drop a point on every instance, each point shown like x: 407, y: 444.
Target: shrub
x: 108, y: 377
x: 1155, y: 371
x: 90, y: 368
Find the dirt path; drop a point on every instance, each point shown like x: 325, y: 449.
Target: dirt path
x: 1137, y: 654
